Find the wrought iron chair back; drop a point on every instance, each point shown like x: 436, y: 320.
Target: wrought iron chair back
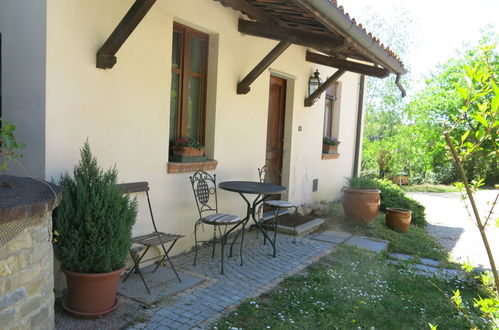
x: 269, y: 174
x: 204, y: 187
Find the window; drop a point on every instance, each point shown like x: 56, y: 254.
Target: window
x: 188, y: 88
x: 329, y: 110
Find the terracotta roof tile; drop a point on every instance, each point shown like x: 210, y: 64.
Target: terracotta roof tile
x: 369, y: 34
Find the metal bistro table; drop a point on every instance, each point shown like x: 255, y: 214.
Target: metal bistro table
x: 262, y: 190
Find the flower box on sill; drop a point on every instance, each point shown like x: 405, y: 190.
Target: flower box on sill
x: 187, y: 159
x: 183, y: 151
x: 329, y: 149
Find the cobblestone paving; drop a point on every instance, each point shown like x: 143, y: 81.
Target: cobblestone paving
x: 200, y: 306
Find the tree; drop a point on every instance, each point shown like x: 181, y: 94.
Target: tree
x: 440, y: 102
x: 475, y: 129
x: 383, y: 148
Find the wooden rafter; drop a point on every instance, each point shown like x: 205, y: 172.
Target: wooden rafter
x: 243, y: 87
x: 250, y: 10
x: 347, y: 65
x: 320, y: 41
x: 106, y: 58
x: 309, y: 101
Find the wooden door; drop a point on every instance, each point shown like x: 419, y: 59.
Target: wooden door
x: 275, y: 124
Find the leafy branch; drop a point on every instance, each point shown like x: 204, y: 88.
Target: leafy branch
x: 8, y: 145
x: 481, y: 106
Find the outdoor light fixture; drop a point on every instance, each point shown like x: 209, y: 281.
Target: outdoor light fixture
x: 314, y: 82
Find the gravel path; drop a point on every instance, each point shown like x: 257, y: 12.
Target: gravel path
x: 450, y: 223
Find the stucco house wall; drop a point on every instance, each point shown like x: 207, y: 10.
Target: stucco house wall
x: 124, y: 112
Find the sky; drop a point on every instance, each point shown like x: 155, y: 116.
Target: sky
x: 440, y: 26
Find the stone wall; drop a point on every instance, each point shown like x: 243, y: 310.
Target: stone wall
x: 26, y: 277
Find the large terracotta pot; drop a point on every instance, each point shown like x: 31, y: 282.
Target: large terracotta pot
x: 361, y: 205
x: 187, y: 151
x: 91, y: 295
x: 398, y: 219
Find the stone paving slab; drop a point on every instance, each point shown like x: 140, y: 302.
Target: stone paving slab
x: 161, y: 283
x: 400, y: 256
x: 336, y: 237
x: 367, y: 243
x: 302, y: 229
x: 429, y: 262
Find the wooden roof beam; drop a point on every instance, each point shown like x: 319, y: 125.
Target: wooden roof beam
x: 351, y: 66
x: 320, y: 41
x: 251, y: 11
x: 243, y: 87
x: 309, y: 101
x: 106, y: 58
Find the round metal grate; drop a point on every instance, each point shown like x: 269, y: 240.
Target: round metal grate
x: 21, y: 199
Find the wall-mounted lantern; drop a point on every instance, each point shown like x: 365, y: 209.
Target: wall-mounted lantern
x: 314, y: 82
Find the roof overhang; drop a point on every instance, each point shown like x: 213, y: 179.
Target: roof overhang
x: 321, y: 25
x: 321, y: 17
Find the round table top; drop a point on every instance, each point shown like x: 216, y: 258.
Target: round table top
x: 252, y: 187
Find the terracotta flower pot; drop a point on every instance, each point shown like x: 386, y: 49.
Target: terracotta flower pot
x: 398, y: 219
x: 187, y: 151
x: 361, y: 205
x: 91, y: 295
x: 329, y: 149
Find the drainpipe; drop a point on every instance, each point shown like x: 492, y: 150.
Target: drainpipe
x: 358, y: 130
x: 399, y: 85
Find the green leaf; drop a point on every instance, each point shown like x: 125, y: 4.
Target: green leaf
x: 464, y: 92
x: 494, y: 104
x: 481, y: 119
x: 457, y: 298
x: 433, y: 327
x: 464, y: 136
x: 480, y: 133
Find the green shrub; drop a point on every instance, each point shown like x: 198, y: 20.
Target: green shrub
x: 391, y: 196
x: 93, y: 223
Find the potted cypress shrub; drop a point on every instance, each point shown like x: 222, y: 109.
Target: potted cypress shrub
x: 92, y: 236
x: 361, y: 200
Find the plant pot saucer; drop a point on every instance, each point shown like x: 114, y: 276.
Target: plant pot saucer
x: 88, y: 315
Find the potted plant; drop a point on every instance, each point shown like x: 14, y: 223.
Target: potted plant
x: 361, y: 200
x: 330, y: 145
x: 92, y: 236
x: 398, y: 219
x: 187, y: 147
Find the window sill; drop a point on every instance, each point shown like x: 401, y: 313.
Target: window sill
x: 330, y: 156
x: 209, y: 165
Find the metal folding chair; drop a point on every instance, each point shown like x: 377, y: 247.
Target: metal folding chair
x: 204, y: 187
x: 269, y: 174
x: 153, y: 239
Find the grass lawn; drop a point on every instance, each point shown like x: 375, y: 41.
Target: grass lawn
x: 354, y: 289
x: 438, y: 188
x: 415, y: 241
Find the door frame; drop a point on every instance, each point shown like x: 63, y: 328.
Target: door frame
x: 288, y: 128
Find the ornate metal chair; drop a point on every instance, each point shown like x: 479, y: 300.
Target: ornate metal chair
x: 205, y: 193
x: 270, y: 174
